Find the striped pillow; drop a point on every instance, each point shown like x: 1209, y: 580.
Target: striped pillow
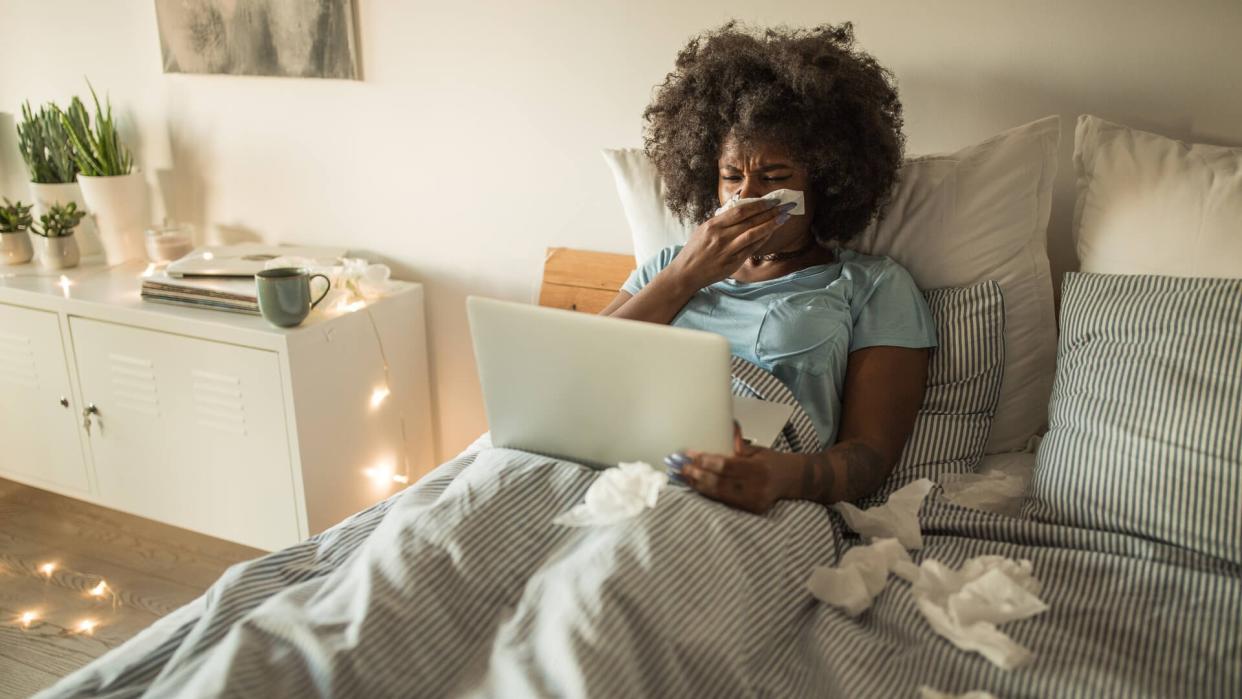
x: 1145, y: 423
x: 963, y: 385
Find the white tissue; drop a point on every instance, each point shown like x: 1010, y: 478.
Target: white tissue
x: 616, y: 495
x: 965, y: 605
x: 784, y: 196
x: 897, y: 518
x: 862, y: 573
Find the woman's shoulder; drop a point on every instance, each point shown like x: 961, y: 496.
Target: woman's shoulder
x: 661, y: 259
x: 870, y: 269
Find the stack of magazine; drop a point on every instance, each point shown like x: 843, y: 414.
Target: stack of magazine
x: 236, y: 294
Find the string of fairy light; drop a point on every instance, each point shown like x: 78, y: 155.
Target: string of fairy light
x: 384, y: 474
x: 31, y: 618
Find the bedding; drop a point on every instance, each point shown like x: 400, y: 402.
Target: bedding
x: 460, y: 585
x: 1148, y: 204
x: 955, y: 220
x: 1145, y: 430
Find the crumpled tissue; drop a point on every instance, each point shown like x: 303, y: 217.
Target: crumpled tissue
x: 897, y: 518
x: 965, y: 605
x: 784, y: 196
x: 860, y: 576
x: 616, y: 495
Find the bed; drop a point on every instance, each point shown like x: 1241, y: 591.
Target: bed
x: 461, y: 585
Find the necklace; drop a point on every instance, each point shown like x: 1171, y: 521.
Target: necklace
x: 785, y: 255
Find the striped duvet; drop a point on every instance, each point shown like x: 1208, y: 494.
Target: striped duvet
x: 460, y: 586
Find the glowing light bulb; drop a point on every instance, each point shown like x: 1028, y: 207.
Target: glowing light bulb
x: 87, y: 626
x: 99, y: 590
x: 378, y: 396
x: 381, y: 474
x: 27, y: 618
x: 47, y: 569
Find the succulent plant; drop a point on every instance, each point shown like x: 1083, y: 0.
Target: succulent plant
x: 45, y: 145
x: 14, y: 218
x: 59, y: 221
x: 97, y: 148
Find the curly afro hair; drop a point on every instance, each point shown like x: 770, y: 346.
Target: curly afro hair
x: 809, y: 90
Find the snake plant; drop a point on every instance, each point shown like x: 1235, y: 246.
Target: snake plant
x: 97, y: 147
x: 45, y: 146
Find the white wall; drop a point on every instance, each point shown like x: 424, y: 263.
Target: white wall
x: 472, y: 144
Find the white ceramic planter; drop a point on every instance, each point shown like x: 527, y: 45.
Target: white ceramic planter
x: 15, y: 248
x: 119, y: 205
x: 58, y: 253
x: 46, y: 195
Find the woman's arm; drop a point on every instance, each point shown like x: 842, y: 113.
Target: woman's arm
x: 715, y: 250
x: 883, y: 391
x: 884, y: 388
x: 658, y: 302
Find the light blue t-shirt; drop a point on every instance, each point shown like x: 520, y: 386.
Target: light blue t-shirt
x: 801, y: 327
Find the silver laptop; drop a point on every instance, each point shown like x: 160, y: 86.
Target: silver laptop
x: 599, y: 390
x: 246, y: 259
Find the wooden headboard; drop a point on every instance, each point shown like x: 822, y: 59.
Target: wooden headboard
x: 581, y: 280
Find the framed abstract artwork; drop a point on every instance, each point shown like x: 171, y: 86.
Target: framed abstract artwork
x: 287, y: 38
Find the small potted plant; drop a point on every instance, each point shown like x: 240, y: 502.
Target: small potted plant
x: 14, y: 242
x: 113, y: 191
x: 48, y: 153
x: 57, y: 247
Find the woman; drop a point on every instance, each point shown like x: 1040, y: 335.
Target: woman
x: 743, y: 115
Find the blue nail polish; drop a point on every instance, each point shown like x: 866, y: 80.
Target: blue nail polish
x: 782, y: 218
x: 789, y: 206
x: 675, y: 461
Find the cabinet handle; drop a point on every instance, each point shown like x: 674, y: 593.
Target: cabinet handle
x: 64, y: 402
x: 87, y: 412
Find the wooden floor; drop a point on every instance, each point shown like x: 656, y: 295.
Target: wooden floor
x: 152, y: 568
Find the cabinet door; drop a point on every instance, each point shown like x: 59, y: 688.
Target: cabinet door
x: 188, y: 431
x: 38, y: 418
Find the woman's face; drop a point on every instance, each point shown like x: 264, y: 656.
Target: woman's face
x: 756, y: 168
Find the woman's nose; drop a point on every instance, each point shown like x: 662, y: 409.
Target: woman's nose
x: 751, y: 187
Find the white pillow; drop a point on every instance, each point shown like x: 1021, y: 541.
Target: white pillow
x: 1148, y: 204
x: 955, y: 220
x: 652, y: 226
x: 982, y: 213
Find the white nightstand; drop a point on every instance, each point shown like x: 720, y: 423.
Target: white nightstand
x: 206, y: 420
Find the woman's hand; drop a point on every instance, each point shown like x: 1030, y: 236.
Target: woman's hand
x: 753, y: 479
x: 721, y: 244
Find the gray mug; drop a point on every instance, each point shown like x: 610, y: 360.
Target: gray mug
x: 285, y: 296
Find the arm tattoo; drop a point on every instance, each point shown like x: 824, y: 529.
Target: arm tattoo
x: 847, y: 471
